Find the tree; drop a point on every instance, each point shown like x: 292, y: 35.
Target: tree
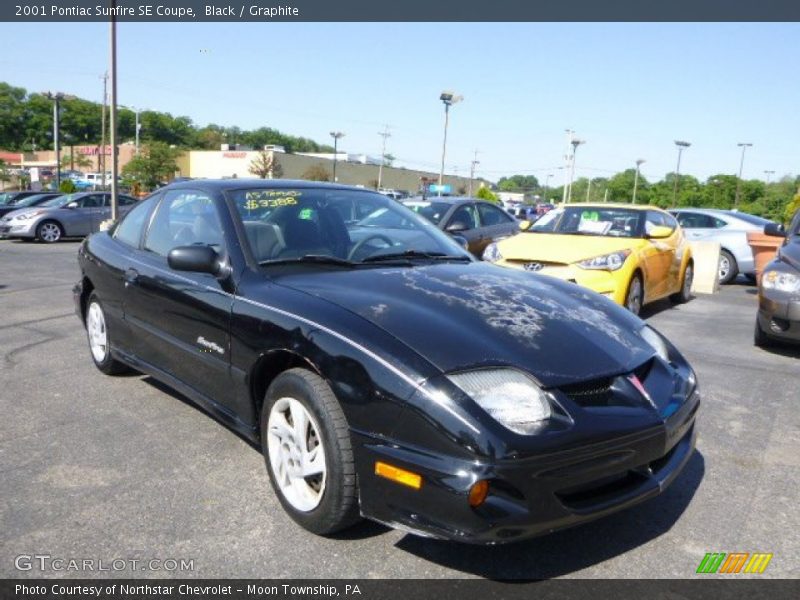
x: 484, y: 193
x: 154, y: 164
x: 75, y: 160
x: 388, y: 159
x: 316, y: 173
x: 264, y: 166
x: 791, y: 208
x: 67, y: 186
x: 518, y: 183
x: 5, y: 175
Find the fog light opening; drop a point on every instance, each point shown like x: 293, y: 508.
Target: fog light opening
x: 778, y: 325
x: 478, y: 493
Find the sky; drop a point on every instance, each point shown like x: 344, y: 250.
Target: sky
x: 628, y: 90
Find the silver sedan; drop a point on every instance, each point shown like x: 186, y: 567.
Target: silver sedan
x: 71, y: 215
x: 729, y: 228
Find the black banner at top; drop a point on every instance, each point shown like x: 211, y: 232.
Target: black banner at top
x: 398, y: 10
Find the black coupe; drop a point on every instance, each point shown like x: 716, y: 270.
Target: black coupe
x: 384, y: 371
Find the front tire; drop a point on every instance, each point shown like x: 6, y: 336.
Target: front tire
x: 99, y: 338
x: 49, y: 232
x: 634, y: 297
x: 306, y: 445
x: 761, y: 339
x: 728, y: 268
x: 685, y: 294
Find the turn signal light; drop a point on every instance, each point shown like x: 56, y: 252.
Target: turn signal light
x: 398, y: 475
x: 478, y: 493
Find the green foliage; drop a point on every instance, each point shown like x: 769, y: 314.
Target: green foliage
x: 67, y: 186
x: 484, y: 193
x: 26, y: 119
x: 316, y: 173
x: 5, y: 175
x: 518, y: 183
x: 791, y: 208
x: 155, y: 163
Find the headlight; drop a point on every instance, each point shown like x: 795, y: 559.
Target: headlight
x: 492, y: 253
x: 608, y: 262
x: 508, y: 395
x: 655, y: 342
x: 781, y: 281
x: 26, y: 216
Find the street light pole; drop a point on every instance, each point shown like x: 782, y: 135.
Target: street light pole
x: 56, y: 97
x: 744, y: 146
x: 681, y: 145
x: 384, y: 134
x: 336, y: 135
x: 546, y: 185
x: 639, y: 162
x: 448, y: 98
x: 769, y: 174
x: 113, y: 124
x: 138, y: 127
x: 570, y: 133
x: 575, y: 143
x: 475, y: 162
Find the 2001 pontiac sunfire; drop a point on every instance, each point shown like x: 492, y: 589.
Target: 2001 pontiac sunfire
x: 385, y: 372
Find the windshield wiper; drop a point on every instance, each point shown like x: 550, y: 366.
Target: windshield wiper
x: 412, y: 254
x: 320, y: 259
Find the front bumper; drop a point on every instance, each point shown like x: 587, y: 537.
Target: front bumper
x: 779, y: 314
x: 612, y: 284
x: 13, y: 229
x: 528, y: 496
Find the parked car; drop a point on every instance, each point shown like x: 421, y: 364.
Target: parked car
x: 630, y: 253
x: 543, y: 208
x: 70, y: 215
x: 727, y: 227
x: 26, y: 201
x: 9, y: 198
x: 477, y: 221
x: 779, y: 290
x: 412, y: 385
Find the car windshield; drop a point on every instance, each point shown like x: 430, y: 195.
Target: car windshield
x: 748, y: 218
x: 433, y: 211
x: 59, y: 201
x: 320, y: 225
x: 6, y: 197
x: 31, y: 200
x: 593, y: 220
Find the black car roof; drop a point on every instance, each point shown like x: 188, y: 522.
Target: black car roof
x: 221, y: 185
x: 444, y: 199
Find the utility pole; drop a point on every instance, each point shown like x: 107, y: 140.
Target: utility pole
x: 570, y: 133
x: 769, y: 174
x: 384, y: 134
x: 681, y: 145
x: 138, y: 127
x: 744, y: 146
x: 475, y: 162
x: 101, y: 160
x: 639, y: 162
x: 546, y: 185
x: 448, y: 99
x: 575, y: 143
x: 336, y: 135
x: 114, y: 156
x: 588, y: 189
x: 56, y: 97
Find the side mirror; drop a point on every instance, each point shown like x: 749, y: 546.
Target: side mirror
x: 525, y: 225
x: 660, y: 232
x: 775, y: 230
x: 457, y: 226
x: 71, y: 205
x: 461, y: 241
x: 197, y: 259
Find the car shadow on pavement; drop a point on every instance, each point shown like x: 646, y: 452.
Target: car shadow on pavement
x: 570, y: 550
x: 783, y: 349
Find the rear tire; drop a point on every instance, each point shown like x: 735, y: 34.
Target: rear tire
x: 634, y: 297
x: 728, y: 268
x: 685, y: 294
x: 99, y: 337
x: 300, y: 420
x: 49, y: 232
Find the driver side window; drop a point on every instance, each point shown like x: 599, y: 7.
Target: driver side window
x: 184, y: 218
x: 465, y: 217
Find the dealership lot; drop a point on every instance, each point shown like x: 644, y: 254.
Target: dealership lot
x: 116, y: 468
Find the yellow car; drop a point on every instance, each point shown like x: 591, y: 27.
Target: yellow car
x: 630, y: 253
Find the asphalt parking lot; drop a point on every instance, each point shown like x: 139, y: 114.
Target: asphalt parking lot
x: 105, y: 468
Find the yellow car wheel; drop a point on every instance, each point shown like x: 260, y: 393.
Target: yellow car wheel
x: 685, y: 294
x: 635, y: 294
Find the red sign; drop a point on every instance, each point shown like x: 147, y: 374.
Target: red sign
x: 94, y: 150
x: 234, y: 154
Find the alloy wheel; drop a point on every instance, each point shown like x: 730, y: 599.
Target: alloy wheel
x: 296, y: 454
x: 634, y: 300
x: 50, y: 232
x: 724, y: 267
x: 98, y: 335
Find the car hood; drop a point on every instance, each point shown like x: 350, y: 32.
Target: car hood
x: 561, y: 248
x: 461, y: 316
x: 21, y: 211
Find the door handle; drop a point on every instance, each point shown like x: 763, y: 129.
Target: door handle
x: 131, y: 277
